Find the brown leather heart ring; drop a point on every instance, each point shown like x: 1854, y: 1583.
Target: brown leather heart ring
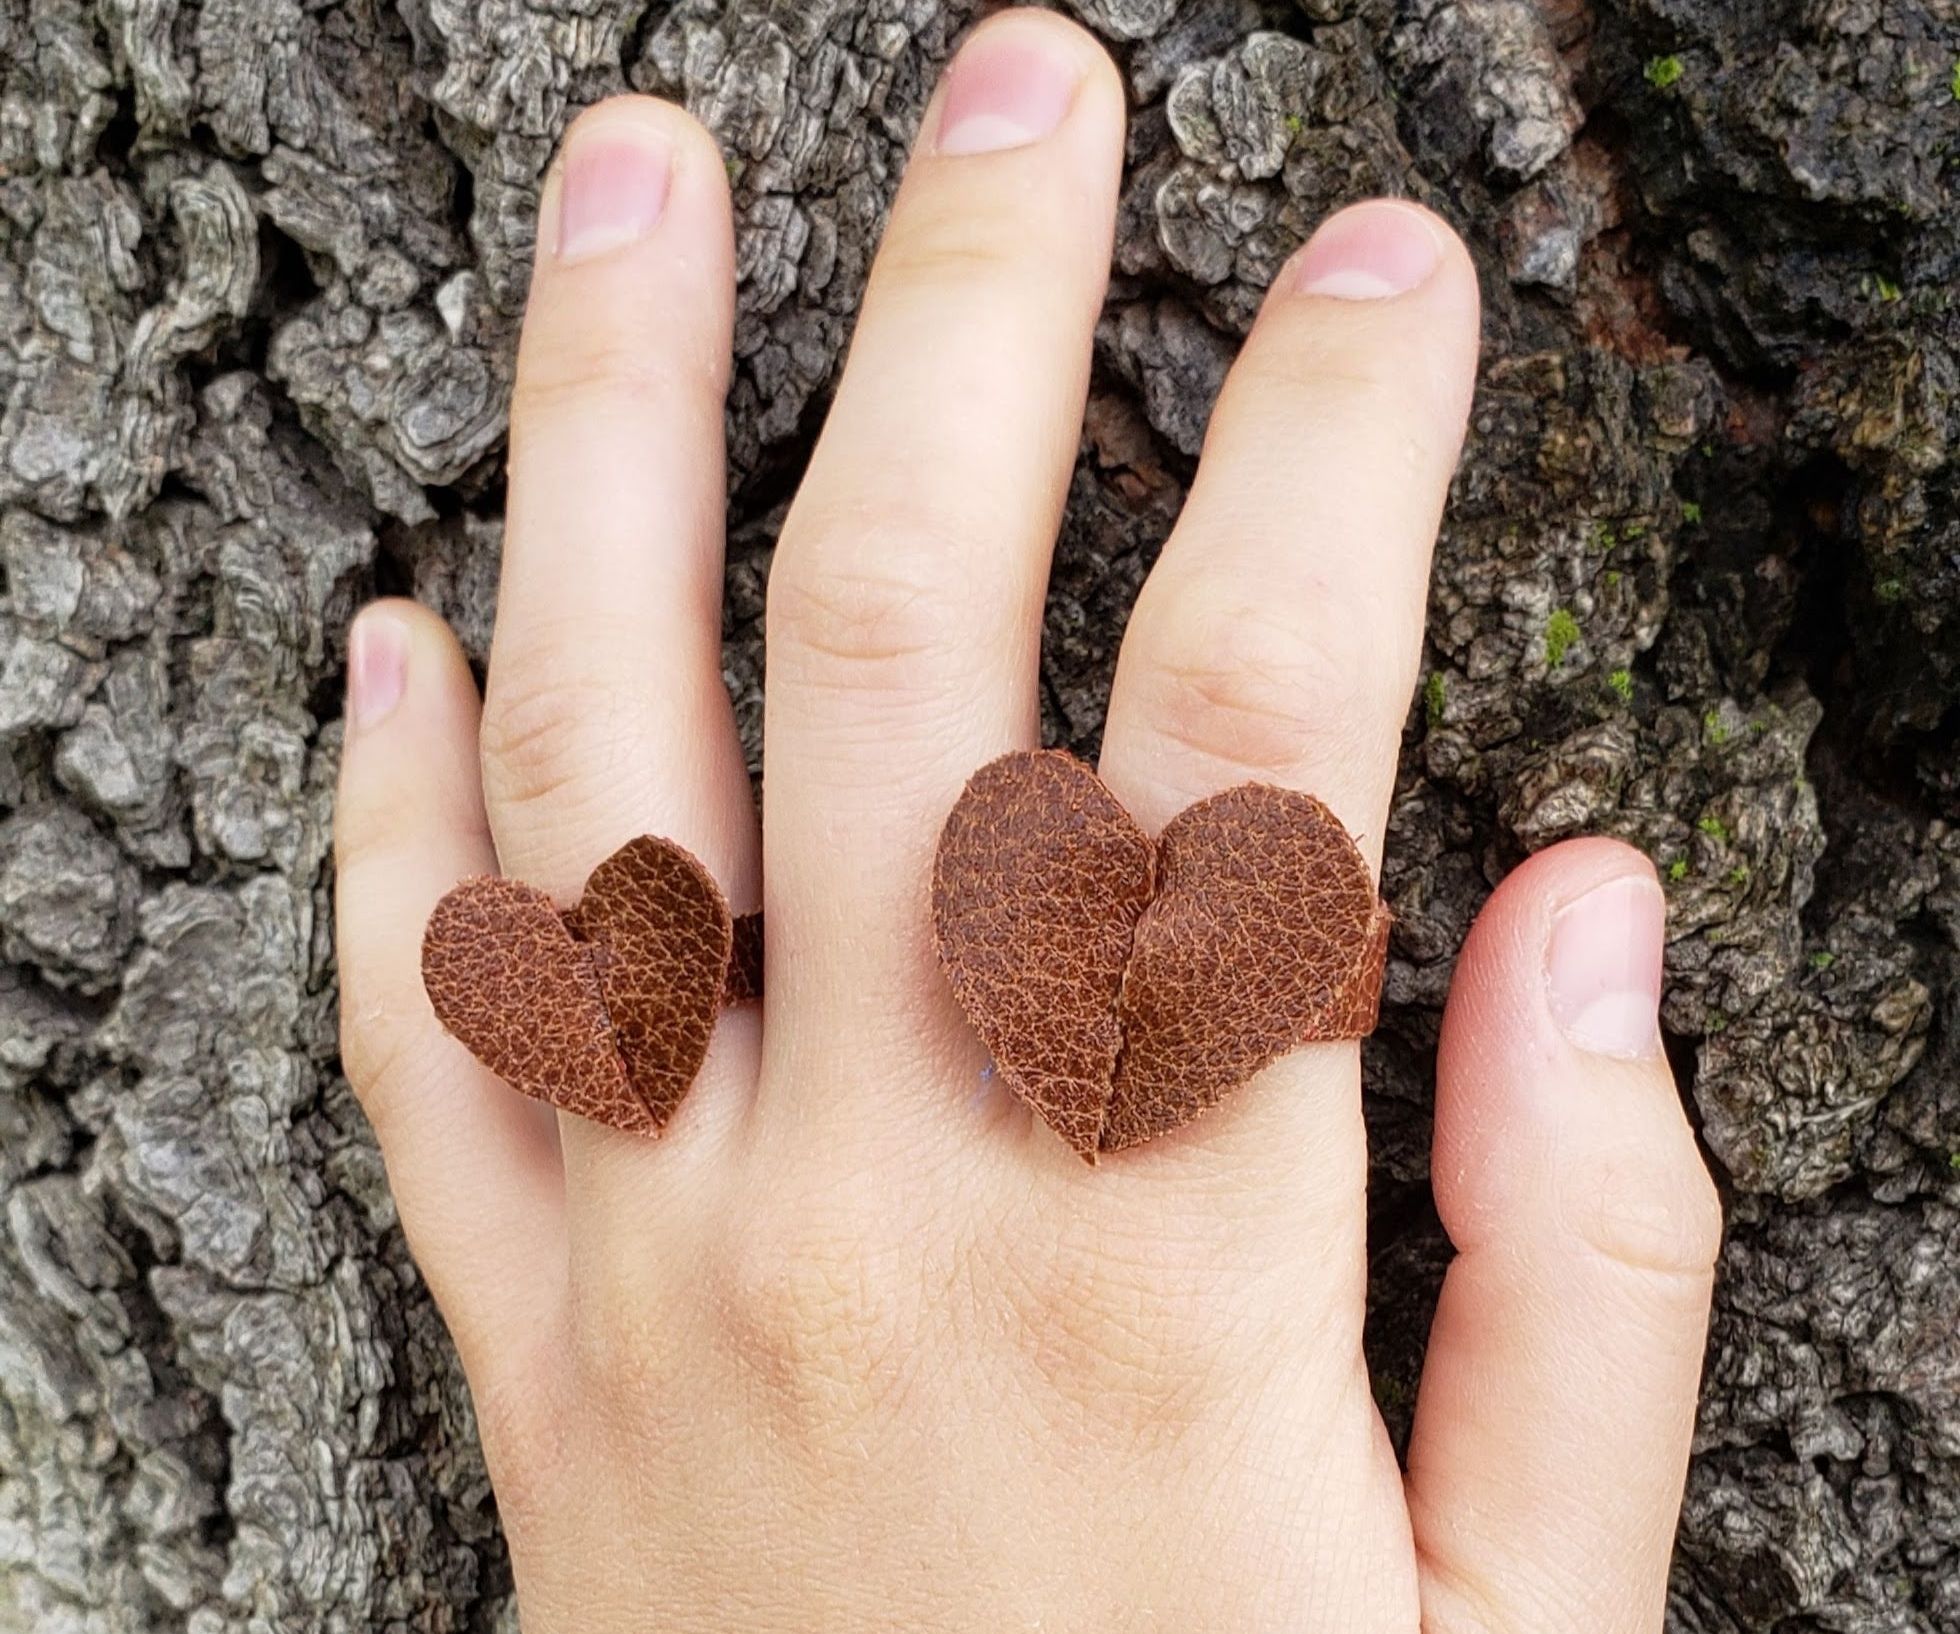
x: 605, y: 1010
x: 1122, y: 986
x: 1125, y: 987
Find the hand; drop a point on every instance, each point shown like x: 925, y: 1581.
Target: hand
x: 858, y: 1345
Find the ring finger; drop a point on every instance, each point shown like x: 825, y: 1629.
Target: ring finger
x: 1278, y: 638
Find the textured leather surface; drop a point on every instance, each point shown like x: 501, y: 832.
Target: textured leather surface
x: 511, y: 982
x: 1037, y: 885
x: 1265, y: 934
x: 606, y: 1010
x: 745, y: 963
x: 660, y: 936
x: 1124, y: 988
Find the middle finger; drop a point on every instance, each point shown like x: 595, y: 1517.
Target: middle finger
x: 905, y: 601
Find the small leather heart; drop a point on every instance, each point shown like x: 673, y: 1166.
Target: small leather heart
x: 661, y: 938
x: 606, y: 1010
x: 1124, y: 988
x: 1265, y: 934
x: 510, y: 981
x: 1039, y: 881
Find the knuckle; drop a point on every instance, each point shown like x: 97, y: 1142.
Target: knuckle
x: 551, y: 735
x: 822, y: 1316
x: 624, y: 1346
x: 1357, y: 366
x: 603, y: 370
x: 865, y: 610
x: 1360, y: 396
x: 1654, y: 1212
x: 1121, y: 1344
x: 361, y: 837
x: 945, y: 250
x: 1261, y: 692
x: 1340, y: 381
x: 992, y: 258
x: 370, y: 833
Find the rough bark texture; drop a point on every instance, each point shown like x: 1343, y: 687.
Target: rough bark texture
x: 261, y: 262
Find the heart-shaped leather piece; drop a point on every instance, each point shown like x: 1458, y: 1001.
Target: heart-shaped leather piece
x: 1039, y: 881
x: 661, y: 937
x: 1124, y: 988
x: 606, y: 1010
x: 1265, y: 934
x: 522, y: 995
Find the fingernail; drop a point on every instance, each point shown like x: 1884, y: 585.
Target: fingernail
x: 1008, y: 87
x: 1603, y: 968
x: 1368, y: 253
x: 613, y: 191
x: 377, y: 667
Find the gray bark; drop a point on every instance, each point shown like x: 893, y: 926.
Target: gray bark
x: 261, y: 266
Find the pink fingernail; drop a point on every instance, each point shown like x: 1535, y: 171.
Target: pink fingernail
x: 1369, y: 252
x: 377, y: 667
x: 613, y: 191
x: 1603, y: 968
x: 1008, y: 87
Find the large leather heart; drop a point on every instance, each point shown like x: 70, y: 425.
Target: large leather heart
x: 606, y: 1010
x: 1124, y: 988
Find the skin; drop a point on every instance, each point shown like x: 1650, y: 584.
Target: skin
x: 858, y: 1345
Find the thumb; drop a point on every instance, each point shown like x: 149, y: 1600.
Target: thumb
x: 1558, y: 1400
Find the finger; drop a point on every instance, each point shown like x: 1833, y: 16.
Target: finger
x: 1552, y: 1428
x: 474, y: 1166
x: 905, y: 599
x: 606, y: 715
x: 1277, y: 640
x: 1278, y: 637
